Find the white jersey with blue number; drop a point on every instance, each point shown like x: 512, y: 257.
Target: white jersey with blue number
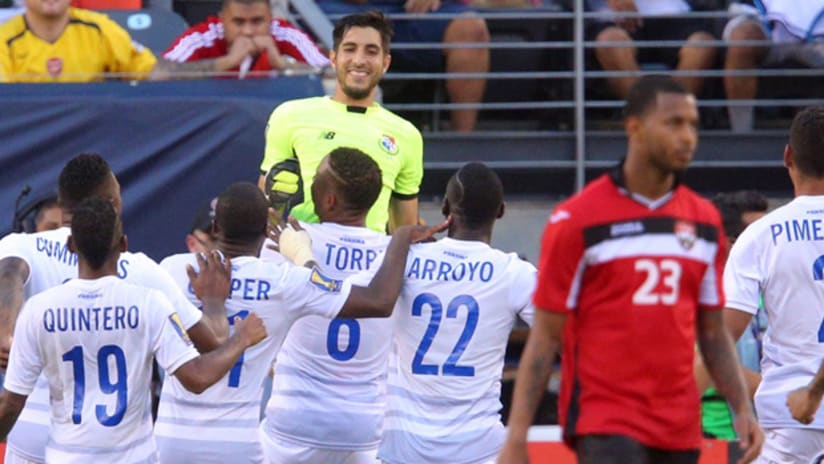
x: 329, y: 385
x: 781, y: 256
x: 458, y: 305
x: 220, y: 424
x: 51, y: 264
x: 94, y: 341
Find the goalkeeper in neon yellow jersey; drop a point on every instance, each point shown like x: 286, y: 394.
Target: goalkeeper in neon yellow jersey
x: 301, y: 132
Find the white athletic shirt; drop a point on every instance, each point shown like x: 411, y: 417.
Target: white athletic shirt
x: 781, y: 256
x: 222, y: 421
x: 458, y: 305
x: 94, y: 340
x: 330, y: 377
x: 51, y: 264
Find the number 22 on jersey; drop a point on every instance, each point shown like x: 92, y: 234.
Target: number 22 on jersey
x: 450, y: 366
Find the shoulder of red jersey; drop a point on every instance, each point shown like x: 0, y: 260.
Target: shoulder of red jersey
x: 202, y: 35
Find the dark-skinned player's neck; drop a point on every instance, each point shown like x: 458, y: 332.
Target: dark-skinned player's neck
x: 85, y: 271
x: 346, y: 218
x: 459, y: 231
x: 644, y: 179
x: 47, y: 28
x: 805, y: 185
x: 232, y: 249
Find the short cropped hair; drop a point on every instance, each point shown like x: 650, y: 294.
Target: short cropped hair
x: 94, y: 225
x: 374, y: 19
x: 242, y: 212
x: 644, y: 93
x: 807, y: 141
x: 357, y: 177
x: 80, y: 179
x: 475, y: 193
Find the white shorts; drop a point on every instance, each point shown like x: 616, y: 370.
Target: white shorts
x: 15, y: 458
x: 277, y: 451
x: 791, y: 446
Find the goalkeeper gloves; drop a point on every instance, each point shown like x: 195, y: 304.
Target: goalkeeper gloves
x: 284, y: 186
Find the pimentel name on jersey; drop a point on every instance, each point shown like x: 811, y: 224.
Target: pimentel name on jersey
x: 91, y: 319
x: 798, y: 230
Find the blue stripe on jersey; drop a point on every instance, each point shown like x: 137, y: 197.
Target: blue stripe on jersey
x: 202, y: 405
x: 180, y: 450
x: 28, y: 439
x: 434, y: 402
x: 368, y: 398
x: 476, y: 447
x: 209, y: 423
x: 320, y: 429
x: 38, y: 406
x: 449, y: 422
x: 96, y: 451
x: 281, y: 369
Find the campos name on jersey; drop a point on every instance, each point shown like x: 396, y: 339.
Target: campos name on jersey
x: 796, y: 230
x: 470, y: 271
x: 59, y: 251
x: 91, y: 319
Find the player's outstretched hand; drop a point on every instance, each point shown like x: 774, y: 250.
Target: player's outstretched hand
x: 513, y: 453
x: 214, y: 281
x: 803, y: 404
x: 750, y: 437
x: 250, y: 329
x: 292, y: 242
x: 422, y: 233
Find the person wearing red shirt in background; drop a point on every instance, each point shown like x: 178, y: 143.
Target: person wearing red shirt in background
x: 245, y: 38
x: 631, y: 273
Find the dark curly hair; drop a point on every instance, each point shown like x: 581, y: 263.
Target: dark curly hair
x: 95, y: 230
x: 80, y: 179
x: 358, y: 177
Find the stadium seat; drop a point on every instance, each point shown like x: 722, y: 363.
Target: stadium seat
x: 153, y: 28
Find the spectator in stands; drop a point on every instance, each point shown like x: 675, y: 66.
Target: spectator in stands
x: 795, y: 28
x: 650, y: 27
x: 53, y: 42
x: 201, y: 237
x: 245, y: 38
x: 463, y: 28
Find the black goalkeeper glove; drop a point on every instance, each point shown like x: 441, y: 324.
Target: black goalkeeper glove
x: 284, y: 186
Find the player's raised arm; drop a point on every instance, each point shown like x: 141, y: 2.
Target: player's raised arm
x: 202, y: 372
x: 378, y: 298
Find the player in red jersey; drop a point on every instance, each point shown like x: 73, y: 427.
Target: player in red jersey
x: 245, y: 38
x: 630, y: 272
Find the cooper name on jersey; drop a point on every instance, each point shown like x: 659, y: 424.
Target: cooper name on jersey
x: 246, y: 289
x: 91, y: 319
x: 469, y: 271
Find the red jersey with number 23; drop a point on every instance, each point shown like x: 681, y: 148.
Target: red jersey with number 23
x: 631, y: 275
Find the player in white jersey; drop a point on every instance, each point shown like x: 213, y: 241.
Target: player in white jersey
x: 94, y: 338
x: 219, y: 424
x: 328, y: 398
x: 32, y: 263
x: 780, y: 257
x: 459, y: 302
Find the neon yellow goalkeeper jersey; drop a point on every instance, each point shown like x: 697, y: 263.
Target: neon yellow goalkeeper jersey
x: 310, y: 128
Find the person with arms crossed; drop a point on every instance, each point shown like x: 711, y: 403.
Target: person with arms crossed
x: 193, y: 428
x: 32, y: 263
x: 630, y: 272
x: 779, y: 258
x: 94, y: 339
x: 459, y: 302
x: 301, y: 132
x: 245, y: 38
x: 328, y: 398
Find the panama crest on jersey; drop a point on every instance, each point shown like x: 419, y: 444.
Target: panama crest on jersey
x: 389, y: 144
x: 685, y: 233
